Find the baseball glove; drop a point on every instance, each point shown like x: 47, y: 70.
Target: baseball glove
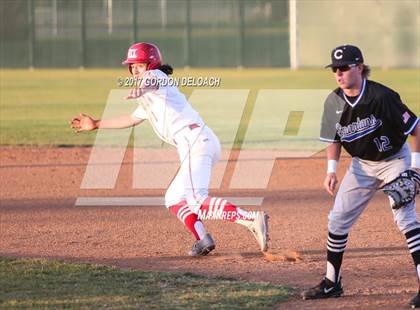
x: 403, y: 189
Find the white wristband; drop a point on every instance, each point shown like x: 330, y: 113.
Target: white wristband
x: 415, y: 159
x: 332, y: 166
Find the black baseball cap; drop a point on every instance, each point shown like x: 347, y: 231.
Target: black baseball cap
x: 345, y: 55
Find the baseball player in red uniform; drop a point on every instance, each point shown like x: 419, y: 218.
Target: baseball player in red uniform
x: 175, y: 122
x: 372, y: 124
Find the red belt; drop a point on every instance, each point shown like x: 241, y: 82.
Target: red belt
x: 193, y: 126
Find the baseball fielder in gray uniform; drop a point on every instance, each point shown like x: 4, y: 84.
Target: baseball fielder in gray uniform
x: 372, y: 124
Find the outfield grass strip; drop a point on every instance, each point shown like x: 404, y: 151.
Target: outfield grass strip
x: 45, y: 284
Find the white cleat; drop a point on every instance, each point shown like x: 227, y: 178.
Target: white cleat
x: 259, y: 229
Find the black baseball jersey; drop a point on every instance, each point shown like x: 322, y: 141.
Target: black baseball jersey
x: 371, y: 126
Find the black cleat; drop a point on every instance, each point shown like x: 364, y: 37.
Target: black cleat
x: 203, y: 247
x: 415, y: 302
x: 325, y: 289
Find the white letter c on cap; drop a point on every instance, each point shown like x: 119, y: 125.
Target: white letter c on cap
x: 338, y: 54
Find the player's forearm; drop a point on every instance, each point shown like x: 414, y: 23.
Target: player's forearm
x: 333, y: 155
x: 334, y: 151
x: 118, y: 122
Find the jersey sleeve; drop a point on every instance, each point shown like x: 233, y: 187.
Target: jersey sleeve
x: 140, y: 113
x: 403, y: 119
x: 150, y: 81
x: 329, y: 120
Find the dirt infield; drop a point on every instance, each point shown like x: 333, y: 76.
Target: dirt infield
x: 38, y: 218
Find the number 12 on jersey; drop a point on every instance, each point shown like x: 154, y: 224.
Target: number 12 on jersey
x: 382, y: 143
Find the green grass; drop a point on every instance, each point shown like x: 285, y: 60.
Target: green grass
x: 35, y: 106
x: 43, y: 284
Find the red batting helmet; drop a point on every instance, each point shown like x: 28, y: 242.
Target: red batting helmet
x: 144, y: 53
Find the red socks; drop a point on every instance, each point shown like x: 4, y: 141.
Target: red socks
x: 211, y: 208
x: 190, y: 219
x: 221, y: 209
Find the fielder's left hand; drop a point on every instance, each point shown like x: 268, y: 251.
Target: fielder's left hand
x: 83, y: 123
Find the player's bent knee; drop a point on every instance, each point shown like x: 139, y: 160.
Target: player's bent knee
x: 406, y: 218
x: 171, y: 199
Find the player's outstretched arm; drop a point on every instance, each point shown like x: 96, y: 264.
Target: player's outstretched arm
x: 86, y: 123
x: 333, y: 155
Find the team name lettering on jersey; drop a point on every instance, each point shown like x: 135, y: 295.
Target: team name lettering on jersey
x: 358, y: 129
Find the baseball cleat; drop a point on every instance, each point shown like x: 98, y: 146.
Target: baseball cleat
x: 259, y: 229
x: 203, y: 247
x: 415, y: 302
x: 325, y: 289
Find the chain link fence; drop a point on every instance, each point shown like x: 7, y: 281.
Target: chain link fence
x: 207, y: 33
x: 97, y: 33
